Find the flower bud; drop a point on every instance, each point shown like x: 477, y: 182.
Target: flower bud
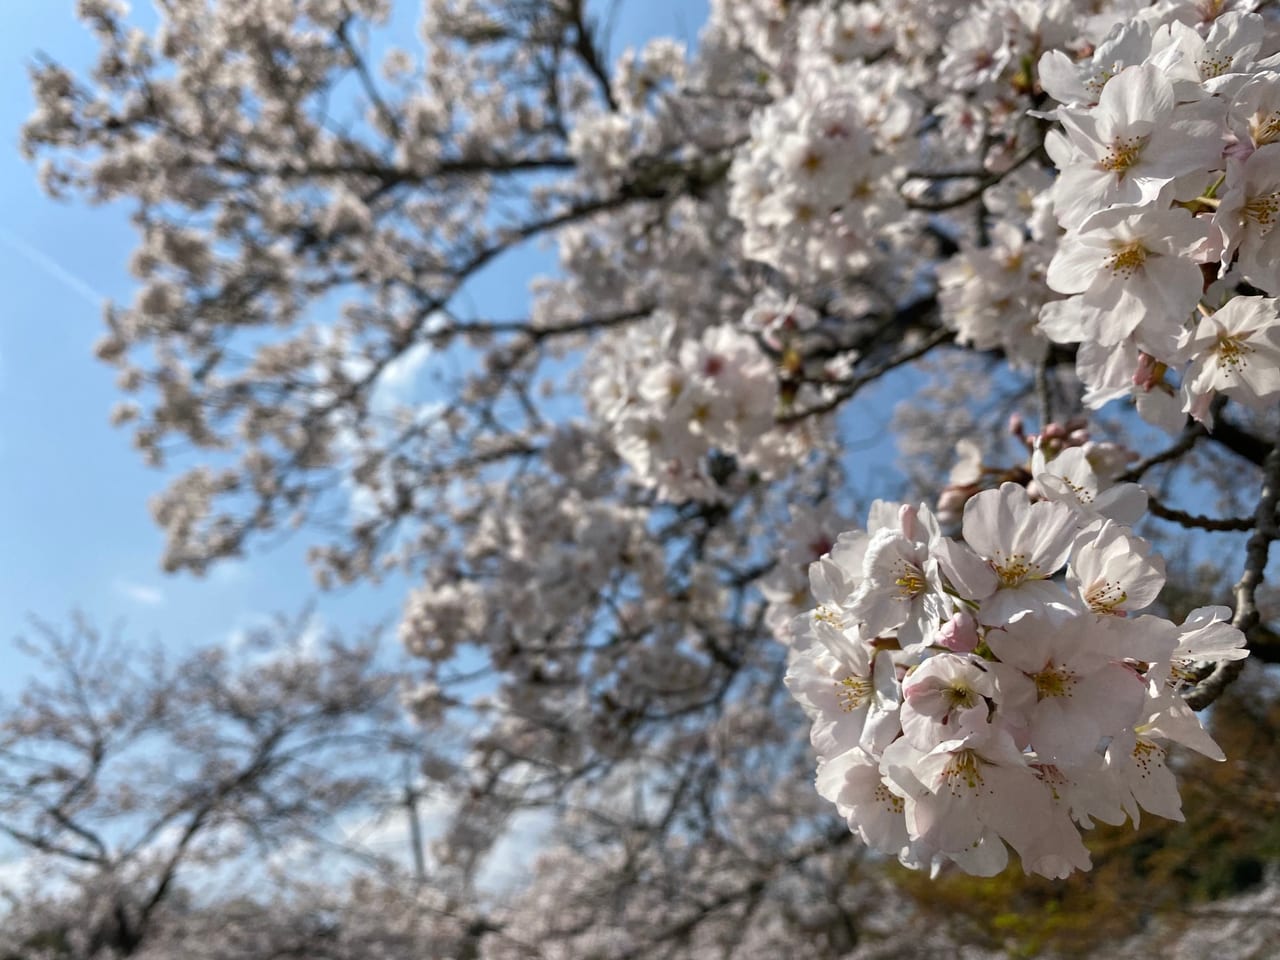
x: 951, y: 503
x: 960, y: 633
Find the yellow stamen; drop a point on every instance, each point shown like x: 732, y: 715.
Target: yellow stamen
x: 1054, y: 682
x: 1263, y: 210
x: 1123, y: 154
x: 852, y: 693
x: 1232, y: 353
x: 1128, y: 260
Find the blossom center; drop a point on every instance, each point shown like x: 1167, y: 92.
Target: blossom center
x: 1128, y: 260
x: 1263, y: 211
x: 812, y: 162
x: 853, y: 692
x: 1014, y: 570
x: 888, y: 799
x: 910, y: 581
x: 1054, y: 682
x: 1051, y: 777
x: 961, y: 696
x: 1122, y: 155
x: 1103, y: 596
x: 1146, y: 755
x: 1214, y: 65
x: 962, y: 773
x: 1265, y: 129
x: 1081, y: 493
x: 1099, y: 80
x: 830, y: 615
x: 1232, y: 353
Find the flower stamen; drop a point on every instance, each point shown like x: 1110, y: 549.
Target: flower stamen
x: 853, y: 692
x: 1123, y: 154
x: 1263, y: 210
x: 1054, y: 682
x: 1128, y: 260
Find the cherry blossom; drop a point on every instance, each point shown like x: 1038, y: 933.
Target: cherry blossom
x: 1237, y: 352
x: 624, y: 515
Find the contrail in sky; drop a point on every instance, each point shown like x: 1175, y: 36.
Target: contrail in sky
x: 50, y: 266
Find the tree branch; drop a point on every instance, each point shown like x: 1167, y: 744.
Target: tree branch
x: 1256, y: 552
x: 1182, y: 518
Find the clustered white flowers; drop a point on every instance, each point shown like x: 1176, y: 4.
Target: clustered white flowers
x: 750, y: 231
x: 1168, y: 188
x: 814, y: 189
x: 1009, y: 690
x: 672, y: 406
x: 1004, y: 691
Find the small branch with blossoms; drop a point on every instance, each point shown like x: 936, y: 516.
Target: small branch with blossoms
x: 845, y: 390
x: 1247, y: 615
x: 966, y: 700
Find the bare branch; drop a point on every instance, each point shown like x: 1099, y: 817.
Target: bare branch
x: 1256, y: 552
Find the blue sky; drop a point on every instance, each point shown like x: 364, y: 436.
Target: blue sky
x: 75, y: 525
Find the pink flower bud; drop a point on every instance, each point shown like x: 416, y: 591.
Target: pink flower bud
x: 1150, y: 372
x: 951, y: 503
x: 960, y: 633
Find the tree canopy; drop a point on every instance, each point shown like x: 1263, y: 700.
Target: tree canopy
x: 645, y: 568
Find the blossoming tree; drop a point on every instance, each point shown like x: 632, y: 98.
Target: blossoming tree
x: 629, y: 510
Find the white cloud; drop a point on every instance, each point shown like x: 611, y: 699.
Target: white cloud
x: 140, y: 593
x: 396, y: 384
x: 509, y: 864
x: 260, y: 637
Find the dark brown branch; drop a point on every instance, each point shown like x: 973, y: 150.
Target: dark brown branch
x: 584, y: 45
x: 361, y: 67
x: 1191, y: 435
x: 1182, y: 518
x: 850, y: 387
x: 1256, y: 552
x: 986, y: 181
x: 1240, y: 441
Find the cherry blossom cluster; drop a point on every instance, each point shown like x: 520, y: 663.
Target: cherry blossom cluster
x: 1168, y: 188
x: 1004, y: 691
x: 991, y: 295
x: 1087, y: 467
x: 670, y: 404
x: 526, y: 568
x: 808, y: 537
x: 815, y: 187
x: 610, y: 501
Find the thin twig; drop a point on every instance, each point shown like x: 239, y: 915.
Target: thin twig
x: 1247, y: 616
x: 989, y: 180
x: 850, y: 387
x: 1182, y: 518
x: 1191, y: 435
x: 1042, y: 391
